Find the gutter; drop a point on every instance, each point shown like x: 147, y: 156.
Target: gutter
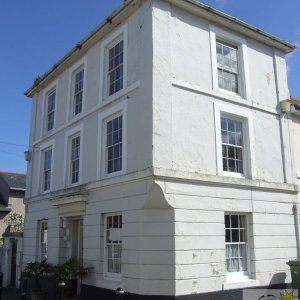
x: 218, y: 17
x: 130, y: 6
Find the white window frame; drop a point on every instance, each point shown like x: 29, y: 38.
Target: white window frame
x: 110, y: 275
x: 43, y: 148
x: 49, y: 94
x: 239, y: 276
x: 240, y: 43
x: 75, y: 69
x: 44, y: 122
x: 72, y: 133
x: 110, y: 119
x: 48, y: 170
x: 242, y: 147
x: 108, y: 71
x: 244, y: 115
x: 104, y: 117
x: 76, y: 159
x: 115, y: 37
x: 229, y: 70
x: 41, y: 226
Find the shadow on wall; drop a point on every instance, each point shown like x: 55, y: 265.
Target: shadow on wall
x: 278, y: 281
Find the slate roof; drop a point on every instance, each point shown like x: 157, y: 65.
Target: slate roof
x: 15, y: 181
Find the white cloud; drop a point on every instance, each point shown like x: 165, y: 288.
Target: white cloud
x: 289, y: 57
x: 223, y: 3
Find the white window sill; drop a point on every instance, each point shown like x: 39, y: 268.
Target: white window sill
x: 113, y: 174
x: 46, y: 192
x: 125, y: 90
x: 75, y: 184
x: 237, y: 95
x: 244, y: 283
x: 298, y: 175
x: 233, y: 174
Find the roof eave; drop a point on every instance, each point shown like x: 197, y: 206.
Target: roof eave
x: 216, y: 16
x: 128, y: 7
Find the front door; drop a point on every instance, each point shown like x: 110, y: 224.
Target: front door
x: 13, y: 264
x: 77, y: 240
x: 77, y: 245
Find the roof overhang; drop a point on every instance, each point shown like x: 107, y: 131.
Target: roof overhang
x: 111, y: 22
x: 218, y: 17
x: 130, y: 6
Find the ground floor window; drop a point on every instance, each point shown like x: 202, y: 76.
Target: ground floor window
x: 236, y: 243
x: 43, y: 234
x: 113, y: 245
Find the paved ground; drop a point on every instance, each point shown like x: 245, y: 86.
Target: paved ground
x: 10, y: 294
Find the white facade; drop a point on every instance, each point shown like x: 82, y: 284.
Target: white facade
x: 172, y: 190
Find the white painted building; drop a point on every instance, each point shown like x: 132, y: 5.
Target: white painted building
x: 160, y: 156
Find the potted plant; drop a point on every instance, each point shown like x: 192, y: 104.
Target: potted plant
x: 37, y: 270
x: 64, y: 277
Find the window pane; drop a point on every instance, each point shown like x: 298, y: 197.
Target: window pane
x: 225, y: 151
x: 236, y: 245
x: 78, y: 92
x: 242, y: 235
x: 227, y: 236
x: 234, y: 221
x: 114, y: 145
x: 225, y: 137
x: 114, y: 243
x: 75, y: 155
x: 227, y: 221
x: 232, y: 135
x: 225, y: 164
x: 231, y: 165
x: 231, y: 152
x: 227, y: 66
x: 115, y: 69
x: 235, y: 235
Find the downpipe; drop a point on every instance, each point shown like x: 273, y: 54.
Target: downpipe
x: 296, y: 222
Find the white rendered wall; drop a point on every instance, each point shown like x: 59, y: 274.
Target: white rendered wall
x: 136, y: 97
x: 173, y: 229
x: 183, y: 98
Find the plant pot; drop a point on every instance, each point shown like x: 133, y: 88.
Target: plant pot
x: 37, y: 295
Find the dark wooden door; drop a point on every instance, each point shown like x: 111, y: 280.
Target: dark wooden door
x: 13, y: 265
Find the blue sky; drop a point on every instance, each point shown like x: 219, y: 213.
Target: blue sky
x: 35, y: 34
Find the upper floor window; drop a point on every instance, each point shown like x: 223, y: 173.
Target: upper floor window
x: 114, y: 139
x: 47, y: 169
x: 78, y: 91
x: 227, y: 64
x: 232, y: 145
x: 50, y: 110
x: 234, y: 141
x: 113, y: 245
x: 115, y: 67
x: 75, y: 159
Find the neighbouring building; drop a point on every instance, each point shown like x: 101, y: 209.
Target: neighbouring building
x: 295, y: 115
x: 161, y: 157
x: 12, y: 194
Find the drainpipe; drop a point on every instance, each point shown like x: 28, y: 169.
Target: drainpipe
x: 281, y: 119
x: 295, y: 213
